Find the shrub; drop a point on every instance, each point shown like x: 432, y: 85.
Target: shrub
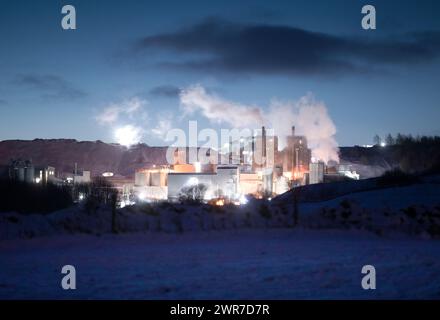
x: 148, y: 209
x: 345, y: 204
x: 395, y: 178
x: 100, y: 191
x: 265, y: 211
x: 193, y: 194
x: 24, y: 197
x: 410, y: 212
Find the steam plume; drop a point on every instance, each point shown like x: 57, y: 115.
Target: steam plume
x: 219, y: 110
x: 310, y: 118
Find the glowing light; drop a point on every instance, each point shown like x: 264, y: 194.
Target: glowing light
x: 37, y: 180
x: 107, y: 174
x: 220, y: 202
x: 288, y: 175
x: 243, y: 199
x: 128, y: 135
x: 142, y: 196
x: 81, y: 197
x: 383, y: 144
x: 193, y: 181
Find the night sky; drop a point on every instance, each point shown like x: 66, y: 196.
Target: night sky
x: 56, y: 83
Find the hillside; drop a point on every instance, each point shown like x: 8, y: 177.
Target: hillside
x: 96, y: 156
x: 99, y: 157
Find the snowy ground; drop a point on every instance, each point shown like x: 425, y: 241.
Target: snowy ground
x: 229, y: 264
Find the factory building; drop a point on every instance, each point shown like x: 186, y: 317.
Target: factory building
x: 82, y: 177
x: 264, y: 149
x: 125, y: 187
x: 25, y: 171
x: 22, y: 170
x: 251, y: 165
x: 151, y: 184
x: 251, y: 183
x: 316, y: 174
x: 224, y: 183
x: 296, y: 157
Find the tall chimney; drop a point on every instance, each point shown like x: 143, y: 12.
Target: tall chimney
x: 293, y: 131
x: 263, y: 135
x: 230, y: 150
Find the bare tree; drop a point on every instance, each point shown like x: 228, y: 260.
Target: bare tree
x: 193, y: 193
x: 101, y: 192
x: 114, y: 201
x: 377, y: 140
x: 389, y: 140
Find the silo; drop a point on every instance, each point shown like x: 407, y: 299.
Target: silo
x: 29, y: 172
x: 155, y: 179
x: 268, y: 181
x: 20, y: 173
x: 142, y: 178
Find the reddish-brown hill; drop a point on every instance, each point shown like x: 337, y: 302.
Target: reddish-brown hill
x: 96, y: 156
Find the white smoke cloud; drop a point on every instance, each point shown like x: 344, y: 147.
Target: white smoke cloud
x: 310, y: 118
x: 108, y: 116
x: 130, y: 111
x: 112, y: 113
x: 219, y: 110
x: 130, y: 122
x: 164, y: 125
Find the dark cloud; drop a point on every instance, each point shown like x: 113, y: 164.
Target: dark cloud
x: 216, y: 45
x: 167, y: 91
x: 50, y: 86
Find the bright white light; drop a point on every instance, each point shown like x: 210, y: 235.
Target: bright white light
x: 37, y: 180
x: 107, y: 174
x: 142, y: 196
x: 81, y: 196
x: 198, y: 167
x: 193, y: 181
x: 383, y: 144
x: 128, y: 135
x: 243, y: 199
x: 125, y: 203
x: 351, y: 175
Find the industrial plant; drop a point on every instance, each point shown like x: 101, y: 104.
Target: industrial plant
x: 248, y: 167
x: 253, y: 166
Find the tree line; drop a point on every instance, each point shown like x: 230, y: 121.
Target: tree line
x: 402, y: 139
x: 414, y: 154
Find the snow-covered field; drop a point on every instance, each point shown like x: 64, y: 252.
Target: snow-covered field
x: 180, y: 251
x: 228, y: 264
